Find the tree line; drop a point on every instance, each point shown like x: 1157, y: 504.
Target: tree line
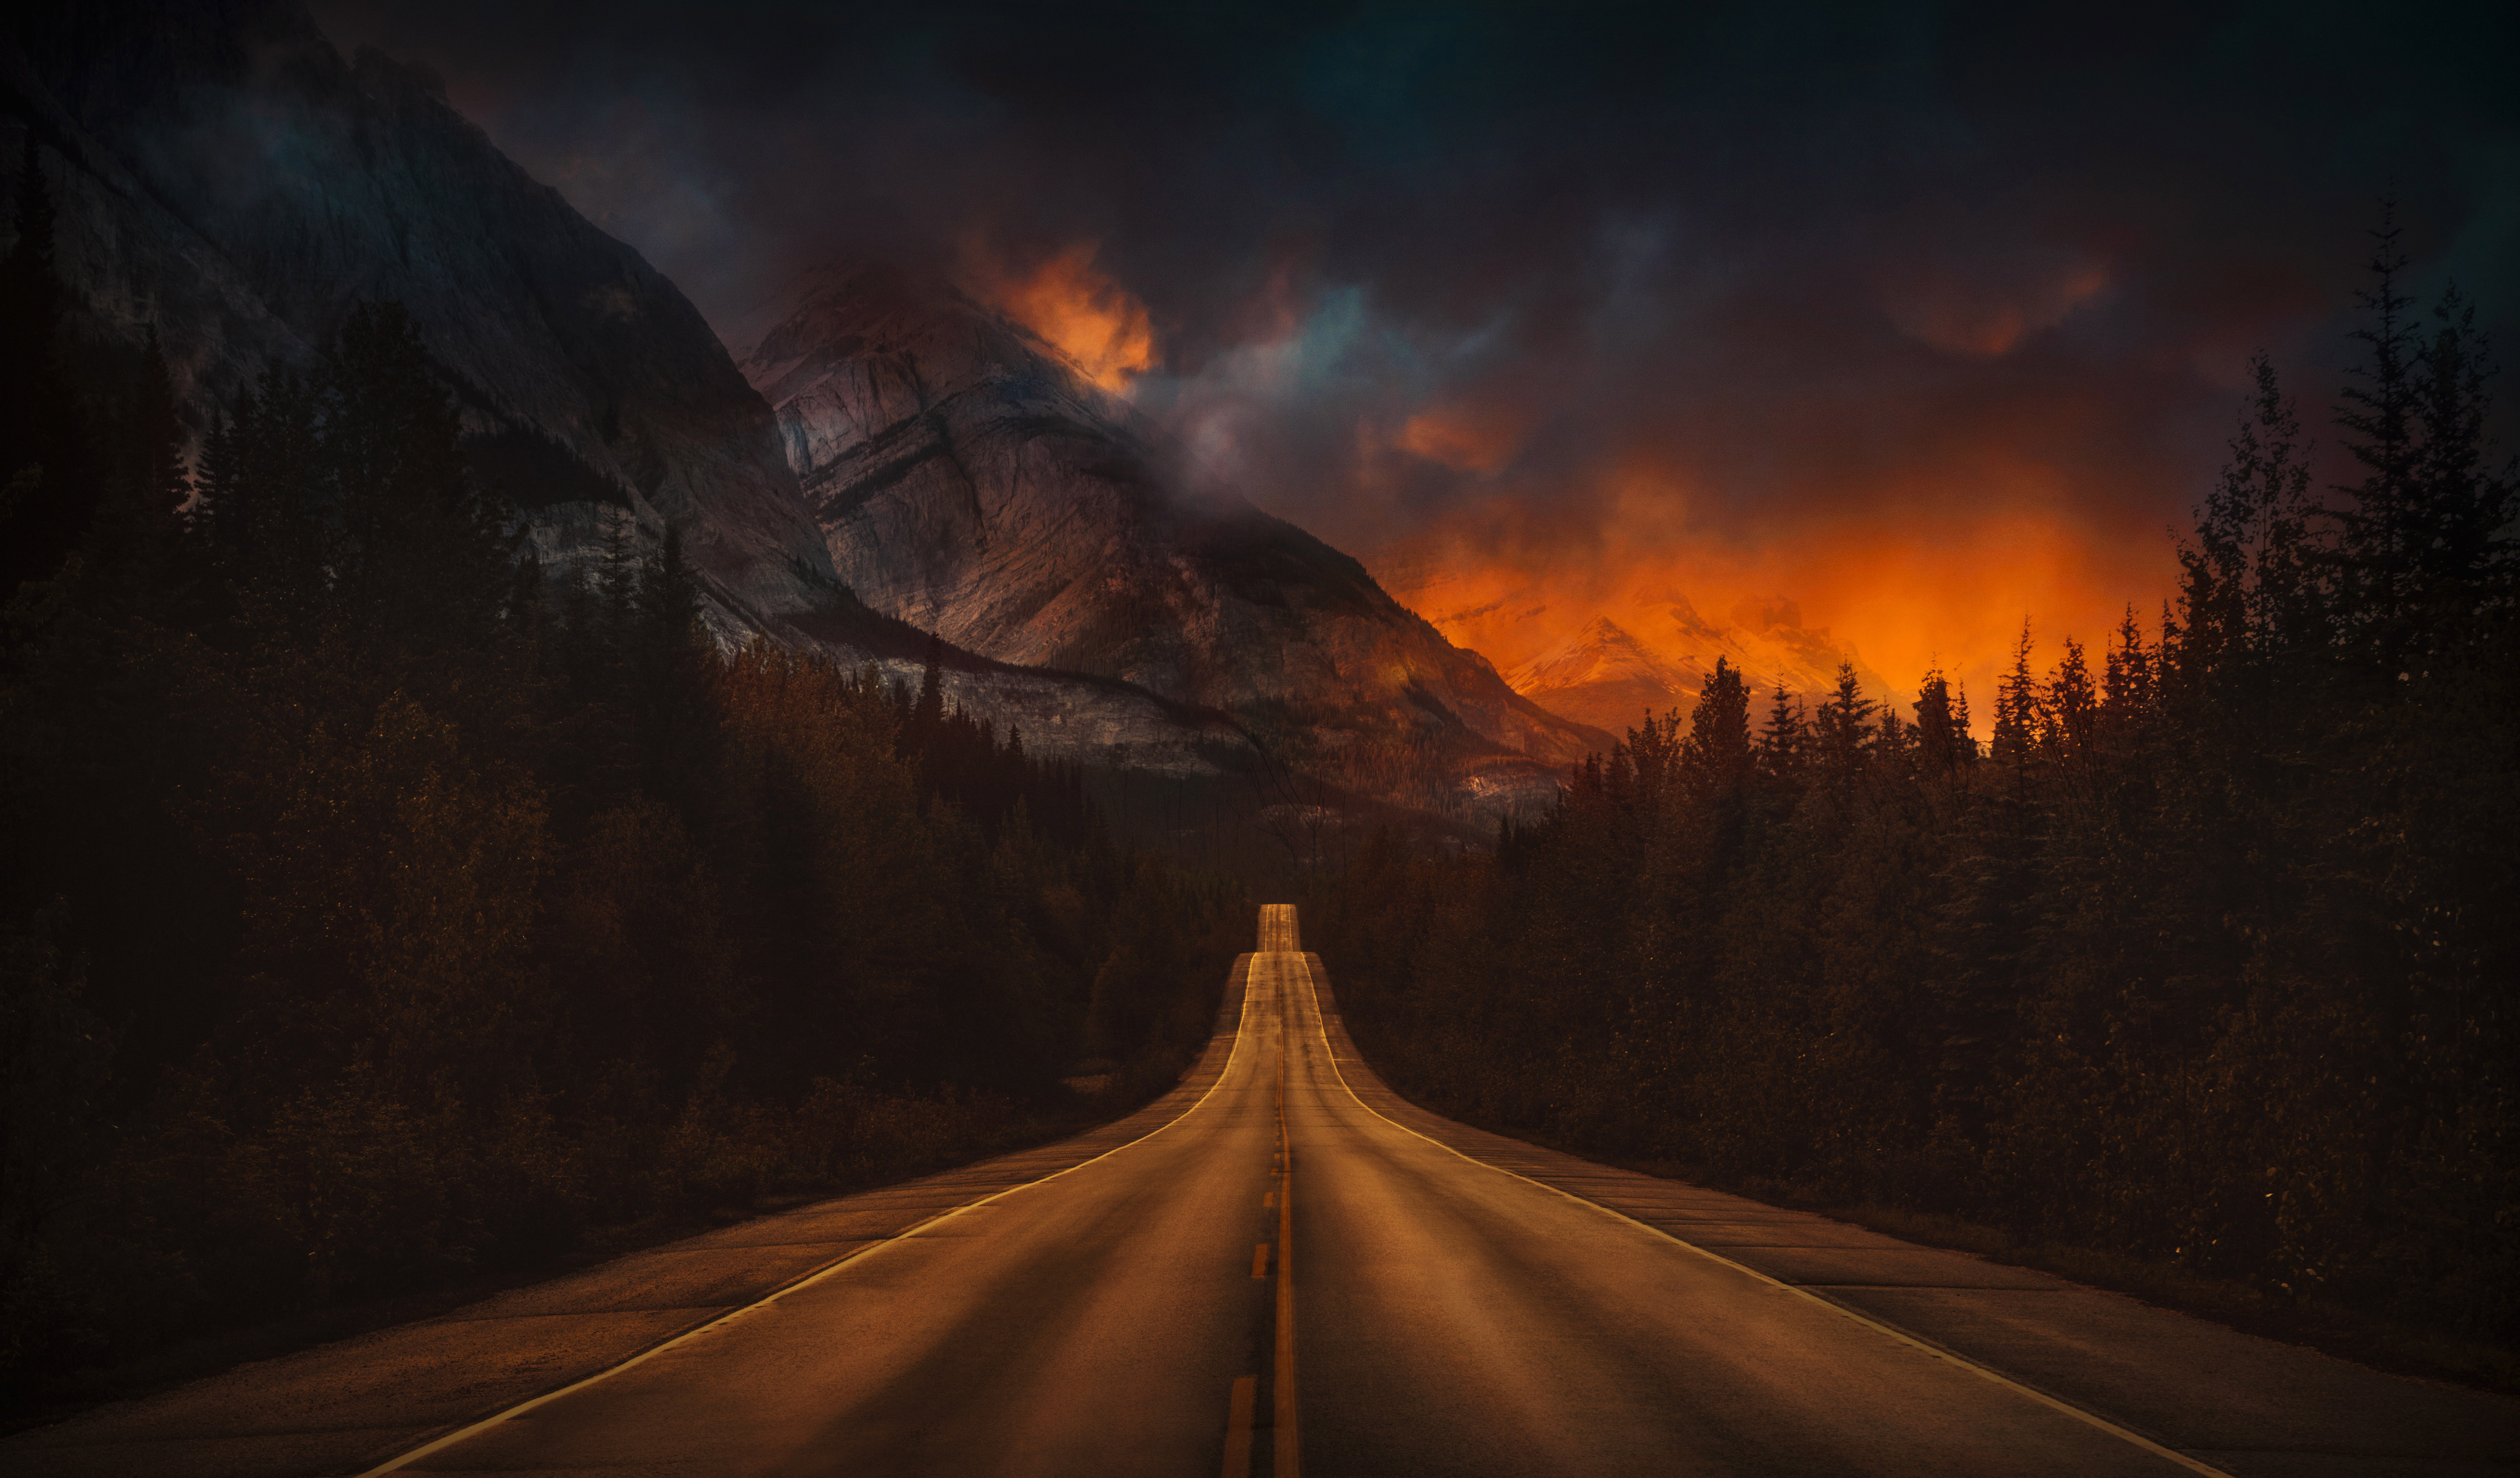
x: 381, y: 906
x: 2208, y: 955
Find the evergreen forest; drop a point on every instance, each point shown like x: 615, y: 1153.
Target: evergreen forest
x: 2208, y: 959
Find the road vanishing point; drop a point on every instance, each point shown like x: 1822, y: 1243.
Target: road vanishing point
x: 1282, y: 1268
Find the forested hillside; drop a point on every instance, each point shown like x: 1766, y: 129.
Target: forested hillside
x: 379, y: 909
x: 2209, y: 956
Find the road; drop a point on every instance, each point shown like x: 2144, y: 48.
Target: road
x: 1286, y: 1269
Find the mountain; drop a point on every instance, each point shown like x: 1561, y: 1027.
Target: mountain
x: 969, y: 479
x: 222, y: 174
x: 1604, y: 676
x: 1609, y: 672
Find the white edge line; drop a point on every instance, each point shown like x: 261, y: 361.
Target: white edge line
x: 2089, y: 1419
x: 817, y: 1276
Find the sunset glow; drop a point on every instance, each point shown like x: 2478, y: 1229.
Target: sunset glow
x: 1902, y: 598
x: 1082, y: 313
x: 1465, y: 440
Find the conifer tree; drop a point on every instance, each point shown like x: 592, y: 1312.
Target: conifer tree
x: 46, y: 464
x: 1842, y: 729
x: 133, y: 541
x: 1894, y: 744
x: 2379, y: 411
x: 2462, y: 508
x: 928, y: 714
x: 1784, y: 740
x: 2070, y: 713
x: 427, y: 557
x: 1717, y: 751
x: 2016, y: 713
x: 2127, y: 688
x: 1942, y: 740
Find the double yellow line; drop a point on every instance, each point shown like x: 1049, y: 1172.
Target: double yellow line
x: 1281, y: 1401
x: 1285, y: 1444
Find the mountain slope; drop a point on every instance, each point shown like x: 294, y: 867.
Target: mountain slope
x: 222, y: 173
x: 970, y: 480
x: 1608, y: 675
x: 1604, y: 676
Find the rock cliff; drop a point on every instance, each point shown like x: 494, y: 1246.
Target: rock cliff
x: 970, y: 480
x: 222, y: 172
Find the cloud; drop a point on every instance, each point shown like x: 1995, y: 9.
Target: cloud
x: 1080, y: 311
x: 1920, y: 319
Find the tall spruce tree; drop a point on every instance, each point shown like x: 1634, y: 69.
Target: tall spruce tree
x: 49, y: 482
x: 1717, y: 749
x: 2016, y: 714
x: 2380, y: 520
x: 1943, y: 742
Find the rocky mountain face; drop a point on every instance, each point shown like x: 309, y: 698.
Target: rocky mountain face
x: 1609, y: 667
x: 220, y: 173
x: 1608, y: 675
x: 1603, y: 676
x: 970, y: 480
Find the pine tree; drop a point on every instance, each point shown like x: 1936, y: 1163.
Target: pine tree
x: 1717, y: 751
x: 2380, y: 526
x: 676, y: 735
x: 133, y: 543
x: 1842, y: 728
x: 426, y: 556
x: 2070, y: 713
x: 1943, y: 742
x: 1784, y: 741
x: 1894, y: 744
x: 2127, y: 688
x: 2461, y: 510
x: 928, y: 714
x: 47, y: 464
x: 2016, y: 713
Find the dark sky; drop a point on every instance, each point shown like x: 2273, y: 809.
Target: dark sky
x: 1925, y: 317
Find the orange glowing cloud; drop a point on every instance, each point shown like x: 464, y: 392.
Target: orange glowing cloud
x: 1079, y: 311
x: 1902, y: 592
x: 1460, y: 438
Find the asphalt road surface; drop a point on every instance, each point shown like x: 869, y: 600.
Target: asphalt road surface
x: 1286, y: 1269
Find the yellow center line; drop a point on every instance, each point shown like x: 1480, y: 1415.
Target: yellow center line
x: 1260, y: 1261
x: 1284, y: 1441
x: 1237, y: 1428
